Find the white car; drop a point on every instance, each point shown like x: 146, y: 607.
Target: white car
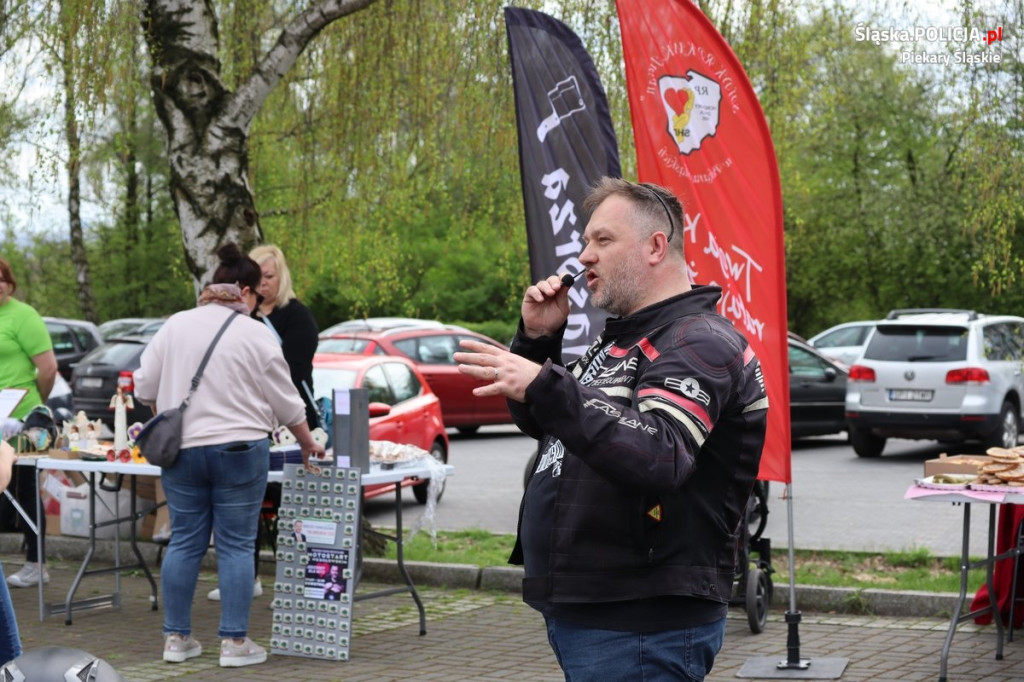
x: 844, y: 342
x: 948, y: 375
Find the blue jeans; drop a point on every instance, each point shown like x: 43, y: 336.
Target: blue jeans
x: 587, y: 654
x: 10, y: 641
x: 215, y: 488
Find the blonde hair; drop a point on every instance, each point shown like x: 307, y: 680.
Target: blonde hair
x: 261, y: 254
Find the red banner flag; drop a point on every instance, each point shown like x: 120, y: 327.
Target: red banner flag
x: 700, y: 131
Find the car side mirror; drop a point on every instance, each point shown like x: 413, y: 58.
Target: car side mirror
x: 831, y: 374
x: 379, y: 409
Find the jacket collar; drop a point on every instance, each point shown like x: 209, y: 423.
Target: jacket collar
x: 702, y: 298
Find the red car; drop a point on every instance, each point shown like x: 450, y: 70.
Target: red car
x: 403, y: 408
x: 431, y: 346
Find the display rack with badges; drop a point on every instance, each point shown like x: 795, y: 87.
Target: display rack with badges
x: 317, y: 544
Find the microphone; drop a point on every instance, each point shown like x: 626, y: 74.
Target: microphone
x: 567, y: 279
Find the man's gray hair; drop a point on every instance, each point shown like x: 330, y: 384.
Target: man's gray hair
x: 656, y: 207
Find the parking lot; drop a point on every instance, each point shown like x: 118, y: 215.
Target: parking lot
x: 841, y: 501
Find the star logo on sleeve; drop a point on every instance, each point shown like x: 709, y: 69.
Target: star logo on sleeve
x: 690, y: 388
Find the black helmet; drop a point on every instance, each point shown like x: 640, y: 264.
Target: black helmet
x: 41, y: 417
x: 56, y: 663
x: 40, y: 428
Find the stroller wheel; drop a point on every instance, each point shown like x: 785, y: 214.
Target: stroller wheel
x: 759, y: 599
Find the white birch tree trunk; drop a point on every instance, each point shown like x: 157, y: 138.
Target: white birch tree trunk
x: 208, y: 126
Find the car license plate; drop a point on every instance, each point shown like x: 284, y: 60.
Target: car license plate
x: 910, y: 394
x: 90, y: 382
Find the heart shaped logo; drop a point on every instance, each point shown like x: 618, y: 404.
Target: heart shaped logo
x: 677, y: 99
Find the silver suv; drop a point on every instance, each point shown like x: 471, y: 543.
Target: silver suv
x: 938, y: 374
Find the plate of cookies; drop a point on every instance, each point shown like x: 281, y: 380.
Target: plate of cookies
x: 1005, y: 473
x: 946, y: 481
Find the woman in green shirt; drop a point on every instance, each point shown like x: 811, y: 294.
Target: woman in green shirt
x: 27, y: 362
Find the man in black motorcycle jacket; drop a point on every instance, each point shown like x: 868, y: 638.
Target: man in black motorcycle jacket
x: 649, y: 446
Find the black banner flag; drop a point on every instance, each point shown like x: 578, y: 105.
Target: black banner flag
x: 566, y: 143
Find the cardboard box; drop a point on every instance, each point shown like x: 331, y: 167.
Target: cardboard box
x: 53, y: 483
x: 162, y: 516
x: 955, y: 464
x: 145, y: 487
x: 74, y: 511
x: 156, y: 524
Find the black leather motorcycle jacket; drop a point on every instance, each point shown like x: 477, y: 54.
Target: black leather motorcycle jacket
x: 649, y: 448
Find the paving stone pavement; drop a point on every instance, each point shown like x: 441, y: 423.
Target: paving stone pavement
x: 483, y: 635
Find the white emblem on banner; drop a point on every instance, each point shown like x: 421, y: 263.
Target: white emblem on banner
x: 691, y: 107
x: 566, y: 100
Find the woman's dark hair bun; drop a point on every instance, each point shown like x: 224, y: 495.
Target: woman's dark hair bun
x: 236, y: 268
x: 229, y: 253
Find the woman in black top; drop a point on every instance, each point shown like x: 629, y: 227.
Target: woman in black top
x: 290, y: 320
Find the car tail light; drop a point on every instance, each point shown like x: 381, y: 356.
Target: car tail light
x: 967, y: 375
x: 861, y: 373
x: 126, y: 382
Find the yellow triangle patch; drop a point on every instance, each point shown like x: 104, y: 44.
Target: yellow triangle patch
x: 655, y: 512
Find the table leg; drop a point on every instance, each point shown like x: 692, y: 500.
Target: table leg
x: 1018, y: 547
x: 89, y: 552
x: 400, y: 555
x: 135, y: 545
x: 993, y: 597
x: 964, y: 568
x: 399, y: 541
x: 40, y: 552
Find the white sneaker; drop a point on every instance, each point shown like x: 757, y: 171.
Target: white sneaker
x: 28, y: 576
x: 178, y: 648
x: 257, y: 591
x: 237, y: 655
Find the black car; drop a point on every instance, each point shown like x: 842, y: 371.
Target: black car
x: 96, y: 378
x: 817, y: 392
x: 124, y: 326
x: 60, y: 395
x: 72, y: 339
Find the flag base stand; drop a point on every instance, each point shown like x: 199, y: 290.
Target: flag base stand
x: 793, y: 667
x: 816, y: 669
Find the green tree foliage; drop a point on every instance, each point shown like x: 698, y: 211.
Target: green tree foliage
x: 874, y: 157
x: 385, y: 162
x: 399, y: 192
x: 989, y: 165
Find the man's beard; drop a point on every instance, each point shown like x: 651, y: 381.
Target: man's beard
x: 620, y: 293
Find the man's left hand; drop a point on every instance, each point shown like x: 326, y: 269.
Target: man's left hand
x: 508, y: 373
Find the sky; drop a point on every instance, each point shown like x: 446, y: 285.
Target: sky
x: 34, y: 199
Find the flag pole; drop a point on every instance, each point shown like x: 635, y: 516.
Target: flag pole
x: 793, y: 660
x: 793, y: 667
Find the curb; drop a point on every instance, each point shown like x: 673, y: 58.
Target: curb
x: 846, y: 600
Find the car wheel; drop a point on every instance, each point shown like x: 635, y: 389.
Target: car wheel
x: 866, y: 444
x: 468, y: 430
x: 1006, y: 433
x: 419, y: 491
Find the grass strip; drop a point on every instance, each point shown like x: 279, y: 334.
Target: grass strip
x: 916, y: 570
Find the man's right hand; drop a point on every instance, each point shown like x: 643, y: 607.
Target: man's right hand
x: 545, y: 307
